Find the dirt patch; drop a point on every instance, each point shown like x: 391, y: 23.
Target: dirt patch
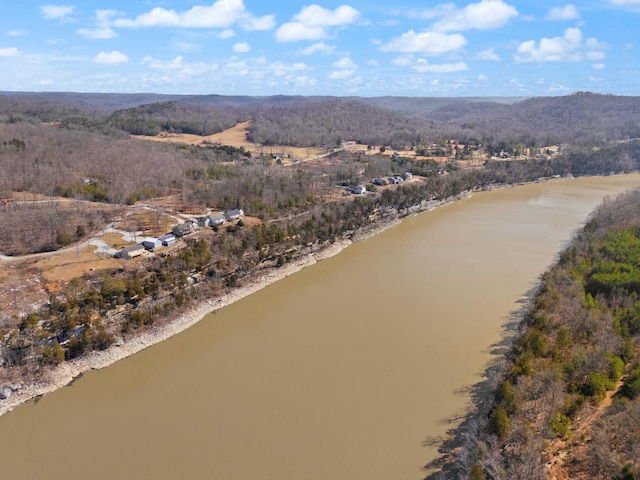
x: 67, y: 266
x: 151, y: 222
x: 566, y: 457
x: 237, y: 137
x: 115, y: 240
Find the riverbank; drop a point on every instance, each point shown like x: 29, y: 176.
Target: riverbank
x: 66, y: 372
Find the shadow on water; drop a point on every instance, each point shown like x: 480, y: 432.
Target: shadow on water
x: 466, y: 424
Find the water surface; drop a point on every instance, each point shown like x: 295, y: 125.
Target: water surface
x: 337, y: 372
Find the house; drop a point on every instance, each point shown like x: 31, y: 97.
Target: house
x: 151, y: 243
x: 182, y: 229
x: 234, y: 214
x: 216, y: 220
x: 203, y: 221
x: 167, y: 239
x: 395, y: 180
x: 380, y: 181
x: 359, y: 190
x: 130, y: 252
x: 407, y: 176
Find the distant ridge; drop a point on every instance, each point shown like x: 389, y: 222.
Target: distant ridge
x: 109, y: 102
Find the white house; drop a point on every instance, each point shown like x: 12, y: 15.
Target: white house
x: 151, y: 243
x: 167, y: 239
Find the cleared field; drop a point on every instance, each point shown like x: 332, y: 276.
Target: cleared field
x: 65, y: 267
x: 237, y: 137
x: 151, y: 222
x: 115, y: 240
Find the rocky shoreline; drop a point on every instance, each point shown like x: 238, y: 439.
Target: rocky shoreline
x: 65, y: 373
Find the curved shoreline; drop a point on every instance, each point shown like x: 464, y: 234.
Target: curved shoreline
x: 68, y: 371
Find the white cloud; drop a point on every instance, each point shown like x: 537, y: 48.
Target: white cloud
x: 404, y: 61
x: 593, y: 56
x: 438, y: 11
x: 345, y: 68
x: 111, y: 58
x: 44, y: 83
x: 319, y: 47
x: 488, y: 54
x: 557, y: 49
x: 484, y: 15
x: 423, y: 66
x: 57, y: 12
x: 594, y: 44
x: 341, y: 74
x: 241, y: 47
x: 103, y: 29
x: 175, y: 64
x: 16, y: 33
x: 263, y: 23
x: 295, y: 31
x: 220, y: 14
x: 567, y: 12
x: 598, y: 66
x: 426, y: 43
x: 594, y: 79
x: 281, y: 69
x: 313, y: 21
x: 344, y: 62
x: 8, y: 52
x: 482, y: 77
x: 625, y: 2
x: 225, y: 34
x: 97, y: 33
x: 178, y: 68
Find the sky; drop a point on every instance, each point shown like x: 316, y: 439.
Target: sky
x: 360, y: 47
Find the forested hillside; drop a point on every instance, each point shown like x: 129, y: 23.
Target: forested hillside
x: 53, y: 149
x: 69, y: 166
x: 176, y: 117
x: 567, y: 397
x: 583, y: 118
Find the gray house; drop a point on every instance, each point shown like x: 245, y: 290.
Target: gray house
x: 151, y: 243
x: 380, y: 181
x: 234, y: 214
x: 130, y: 252
x: 217, y: 220
x: 182, y: 229
x: 167, y: 239
x: 204, y: 221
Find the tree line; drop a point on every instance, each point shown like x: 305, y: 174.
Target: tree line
x: 577, y: 344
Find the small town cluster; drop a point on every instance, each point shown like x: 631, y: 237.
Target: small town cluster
x: 190, y: 226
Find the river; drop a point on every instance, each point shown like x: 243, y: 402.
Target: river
x: 337, y: 372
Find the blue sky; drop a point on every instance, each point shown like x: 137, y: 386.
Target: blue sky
x: 358, y: 47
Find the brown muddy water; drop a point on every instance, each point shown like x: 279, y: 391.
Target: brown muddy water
x: 337, y: 372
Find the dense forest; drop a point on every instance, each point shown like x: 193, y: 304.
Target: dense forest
x: 577, y: 348
x: 585, y: 118
x: 566, y: 396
